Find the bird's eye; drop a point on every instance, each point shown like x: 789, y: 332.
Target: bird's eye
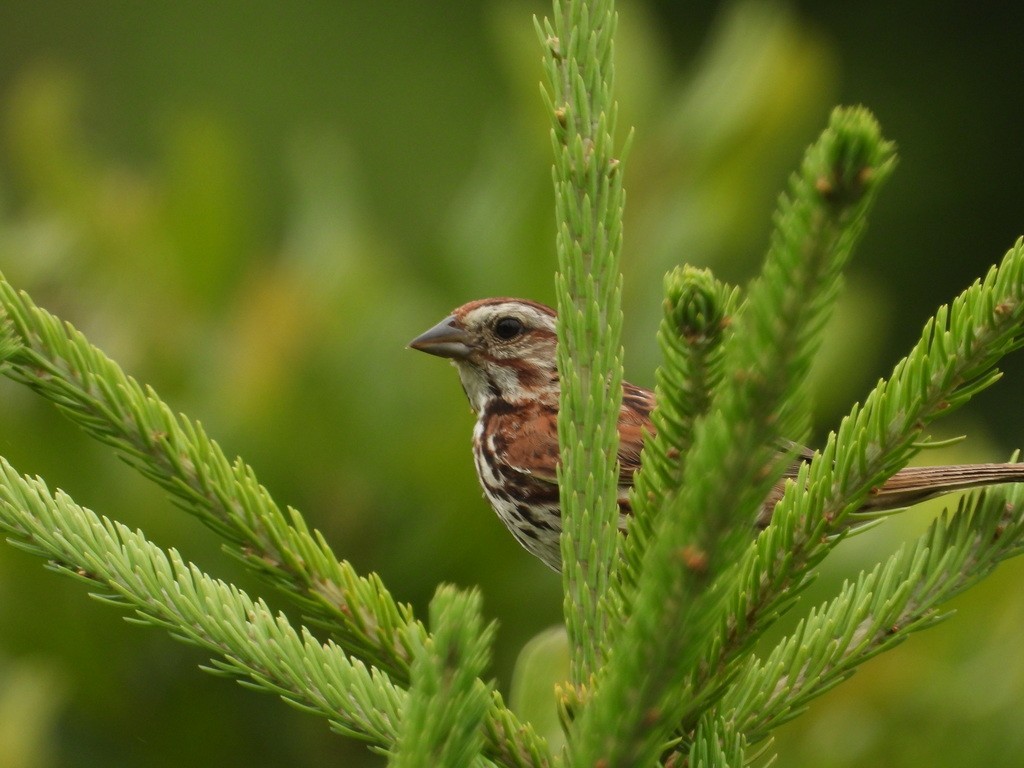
x: 508, y: 328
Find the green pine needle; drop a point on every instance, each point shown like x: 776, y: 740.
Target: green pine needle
x: 447, y: 701
x: 881, y: 609
x: 60, y: 364
x: 588, y: 208
x: 955, y: 359
x: 250, y: 642
x: 698, y: 311
x: 717, y: 744
x: 89, y: 388
x: 734, y: 460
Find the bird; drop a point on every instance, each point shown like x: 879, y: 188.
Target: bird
x: 505, y: 351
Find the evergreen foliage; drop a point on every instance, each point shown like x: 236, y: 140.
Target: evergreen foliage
x: 663, y: 624
x: 734, y: 459
x: 698, y: 311
x: 447, y: 701
x: 588, y: 213
x: 358, y: 612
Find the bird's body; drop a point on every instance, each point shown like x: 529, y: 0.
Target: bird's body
x: 505, y: 352
x: 515, y: 450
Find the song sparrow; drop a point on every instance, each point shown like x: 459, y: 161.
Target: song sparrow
x: 504, y: 350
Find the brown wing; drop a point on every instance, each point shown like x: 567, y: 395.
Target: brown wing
x: 634, y: 423
x: 527, y: 439
x: 800, y: 453
x: 530, y: 436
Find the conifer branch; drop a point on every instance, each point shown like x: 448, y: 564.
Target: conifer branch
x: 588, y: 206
x: 10, y: 344
x: 259, y: 648
x: 250, y: 642
x: 881, y: 609
x: 716, y: 744
x: 734, y: 458
x: 59, y: 363
x: 447, y: 701
x: 697, y: 313
x: 955, y: 358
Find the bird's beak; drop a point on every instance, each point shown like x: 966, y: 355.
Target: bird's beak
x: 446, y: 339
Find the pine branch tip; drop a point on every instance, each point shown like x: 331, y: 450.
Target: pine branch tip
x: 853, y: 158
x: 696, y: 303
x: 10, y: 343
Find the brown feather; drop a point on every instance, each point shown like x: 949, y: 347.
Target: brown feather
x: 634, y: 425
x: 915, y: 484
x: 531, y: 432
x: 531, y: 435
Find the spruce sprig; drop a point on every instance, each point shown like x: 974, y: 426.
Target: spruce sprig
x: 698, y: 311
x: 447, y: 701
x: 578, y: 42
x: 250, y: 642
x: 718, y: 744
x: 663, y: 670
x: 734, y: 459
x: 90, y: 389
x: 879, y: 610
x: 955, y: 358
x: 58, y: 362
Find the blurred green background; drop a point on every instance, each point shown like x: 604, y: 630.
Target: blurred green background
x: 253, y: 206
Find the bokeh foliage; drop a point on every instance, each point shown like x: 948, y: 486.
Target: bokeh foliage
x: 254, y: 208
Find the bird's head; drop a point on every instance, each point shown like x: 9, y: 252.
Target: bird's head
x: 503, y: 348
